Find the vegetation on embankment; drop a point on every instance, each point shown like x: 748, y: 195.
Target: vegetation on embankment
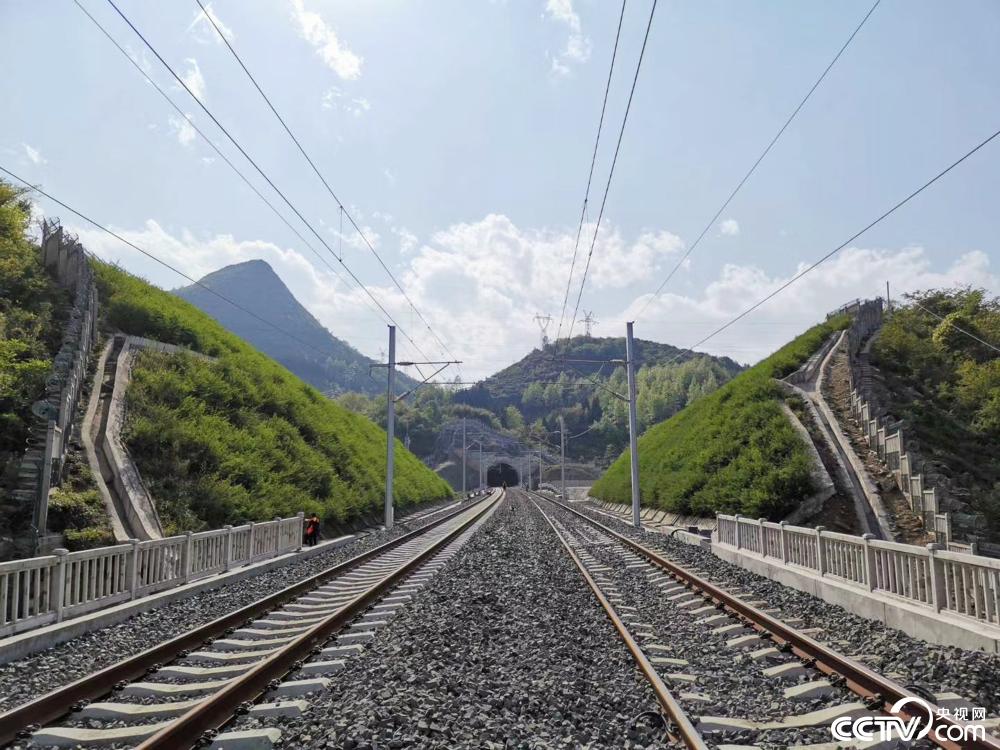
x: 242, y: 438
x: 732, y: 451
x: 945, y: 386
x: 32, y: 312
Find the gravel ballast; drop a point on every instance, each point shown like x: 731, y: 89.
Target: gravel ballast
x: 975, y: 675
x: 24, y: 679
x: 506, y: 647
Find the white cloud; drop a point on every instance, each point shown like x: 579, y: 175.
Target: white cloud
x: 193, y: 79
x: 318, y: 33
x: 577, y: 47
x: 335, y: 99
x: 34, y: 155
x: 511, y: 272
x: 855, y: 272
x: 183, y: 130
x: 389, y: 177
x: 201, y: 27
x: 729, y: 227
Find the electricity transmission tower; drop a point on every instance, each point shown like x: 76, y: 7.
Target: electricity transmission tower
x: 589, y: 322
x: 543, y: 323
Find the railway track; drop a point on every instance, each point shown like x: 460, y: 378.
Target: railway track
x: 704, y: 648
x: 261, y: 660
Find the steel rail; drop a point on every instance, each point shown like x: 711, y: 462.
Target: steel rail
x: 685, y: 730
x: 878, y: 691
x: 59, y: 702
x: 219, y: 708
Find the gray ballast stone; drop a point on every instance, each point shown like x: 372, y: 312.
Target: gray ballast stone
x: 250, y: 739
x: 75, y: 736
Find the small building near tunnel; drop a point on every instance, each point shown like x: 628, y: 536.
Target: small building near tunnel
x: 502, y: 473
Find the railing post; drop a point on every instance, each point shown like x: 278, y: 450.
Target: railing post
x: 739, y: 544
x: 250, y: 537
x: 186, y: 557
x: 58, y: 591
x: 132, y: 568
x: 936, y: 569
x: 783, y: 543
x: 762, y: 536
x: 229, y: 546
x: 820, y: 552
x: 277, y: 536
x: 866, y: 540
x: 301, y: 530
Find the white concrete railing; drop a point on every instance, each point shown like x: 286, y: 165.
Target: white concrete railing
x: 42, y: 590
x: 930, y: 576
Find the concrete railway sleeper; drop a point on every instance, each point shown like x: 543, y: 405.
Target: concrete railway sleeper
x: 179, y: 693
x: 643, y: 591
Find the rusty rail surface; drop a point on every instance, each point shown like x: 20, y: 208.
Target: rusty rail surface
x: 877, y: 691
x: 219, y: 708
x: 683, y: 730
x: 18, y: 721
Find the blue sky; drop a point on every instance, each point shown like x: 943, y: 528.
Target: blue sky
x: 459, y: 134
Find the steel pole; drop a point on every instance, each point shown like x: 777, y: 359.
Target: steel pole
x: 633, y: 439
x: 390, y: 428
x: 562, y: 454
x: 463, y: 455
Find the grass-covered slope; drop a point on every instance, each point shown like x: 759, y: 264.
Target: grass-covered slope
x: 730, y: 451
x: 242, y: 438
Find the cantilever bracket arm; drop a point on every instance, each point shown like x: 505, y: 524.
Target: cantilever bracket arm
x: 422, y: 382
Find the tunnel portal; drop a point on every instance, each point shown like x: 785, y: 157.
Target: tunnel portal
x: 501, y: 473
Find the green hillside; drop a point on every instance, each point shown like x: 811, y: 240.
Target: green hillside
x: 242, y: 438
x: 730, y: 451
x: 945, y: 386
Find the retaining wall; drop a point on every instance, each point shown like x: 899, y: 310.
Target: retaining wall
x: 44, y: 457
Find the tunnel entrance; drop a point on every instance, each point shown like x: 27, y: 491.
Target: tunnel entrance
x: 500, y: 473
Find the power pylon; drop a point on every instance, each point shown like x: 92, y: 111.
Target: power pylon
x: 543, y: 323
x: 589, y: 322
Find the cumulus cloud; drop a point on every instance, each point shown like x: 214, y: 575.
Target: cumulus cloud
x: 729, y: 227
x: 315, y: 30
x: 510, y: 272
x: 855, y: 272
x: 182, y: 130
x: 577, y: 47
x: 193, y: 79
x: 34, y: 155
x: 335, y: 99
x: 201, y: 27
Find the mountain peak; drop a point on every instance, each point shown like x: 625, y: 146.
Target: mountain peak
x: 314, y: 354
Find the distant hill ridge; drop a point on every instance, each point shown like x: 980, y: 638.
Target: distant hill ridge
x: 335, y: 368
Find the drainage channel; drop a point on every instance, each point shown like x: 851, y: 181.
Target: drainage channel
x: 270, y: 656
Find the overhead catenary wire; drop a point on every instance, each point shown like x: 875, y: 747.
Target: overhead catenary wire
x: 216, y: 149
x: 261, y: 172
x: 343, y: 210
x: 895, y: 207
x: 753, y: 168
x: 151, y: 256
x: 611, y: 171
x: 590, y: 174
